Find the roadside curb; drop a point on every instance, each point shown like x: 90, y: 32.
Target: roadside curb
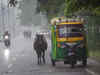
x: 94, y: 68
x: 95, y: 59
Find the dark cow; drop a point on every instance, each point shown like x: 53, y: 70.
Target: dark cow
x: 40, y: 46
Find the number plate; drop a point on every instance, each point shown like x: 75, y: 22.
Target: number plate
x: 69, y: 54
x: 63, y: 46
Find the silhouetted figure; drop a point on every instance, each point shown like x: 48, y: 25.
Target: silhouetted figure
x: 40, y: 46
x: 27, y: 34
x: 12, y: 3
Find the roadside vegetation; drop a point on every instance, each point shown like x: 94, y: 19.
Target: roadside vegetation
x: 95, y: 54
x: 51, y: 7
x: 69, y: 7
x: 82, y: 6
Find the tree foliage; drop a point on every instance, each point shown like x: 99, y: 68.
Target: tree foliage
x: 52, y: 7
x: 72, y: 6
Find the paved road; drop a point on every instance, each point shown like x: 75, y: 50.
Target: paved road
x: 21, y: 59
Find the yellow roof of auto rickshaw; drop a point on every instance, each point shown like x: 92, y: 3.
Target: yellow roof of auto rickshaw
x: 62, y: 20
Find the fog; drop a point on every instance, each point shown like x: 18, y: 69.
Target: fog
x: 28, y: 15
x: 23, y: 16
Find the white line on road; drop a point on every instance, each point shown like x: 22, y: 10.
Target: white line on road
x: 91, y: 72
x: 14, y: 58
x: 10, y: 65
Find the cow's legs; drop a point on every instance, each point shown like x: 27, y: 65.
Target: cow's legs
x: 43, y: 56
x: 39, y: 57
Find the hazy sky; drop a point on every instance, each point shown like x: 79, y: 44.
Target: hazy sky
x: 27, y: 16
x: 4, y: 2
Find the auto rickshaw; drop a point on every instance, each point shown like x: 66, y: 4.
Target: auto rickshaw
x: 68, y: 41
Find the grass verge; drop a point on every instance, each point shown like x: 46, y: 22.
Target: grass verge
x: 95, y: 55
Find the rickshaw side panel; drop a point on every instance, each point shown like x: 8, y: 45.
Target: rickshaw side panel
x: 61, y: 53
x: 53, y: 43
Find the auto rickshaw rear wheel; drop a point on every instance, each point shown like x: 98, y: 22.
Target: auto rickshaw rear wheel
x: 73, y: 64
x: 53, y: 62
x: 84, y: 62
x: 73, y: 61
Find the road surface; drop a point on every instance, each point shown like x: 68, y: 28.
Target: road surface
x: 20, y: 59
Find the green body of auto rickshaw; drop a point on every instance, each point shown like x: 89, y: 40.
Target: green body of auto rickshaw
x: 68, y: 40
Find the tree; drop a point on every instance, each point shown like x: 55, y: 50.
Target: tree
x: 73, y: 6
x: 52, y: 7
